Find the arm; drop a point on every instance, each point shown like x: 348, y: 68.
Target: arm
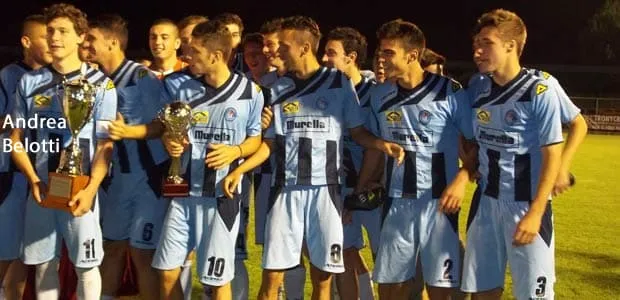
x: 578, y: 128
x: 232, y: 180
x: 21, y: 159
x: 373, y: 164
x: 223, y: 155
x: 367, y: 140
x: 119, y: 130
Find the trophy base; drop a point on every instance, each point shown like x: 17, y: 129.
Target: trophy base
x: 172, y: 190
x: 61, y: 189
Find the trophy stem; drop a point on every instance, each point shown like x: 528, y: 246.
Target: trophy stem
x: 175, y: 170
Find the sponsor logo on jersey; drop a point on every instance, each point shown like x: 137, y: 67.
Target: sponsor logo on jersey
x: 494, y: 137
x: 200, y: 117
x: 393, y: 116
x: 425, y: 117
x: 545, y: 75
x: 540, y: 88
x: 230, y: 114
x: 290, y: 107
x: 307, y: 124
x: 42, y: 100
x: 321, y: 103
x: 110, y: 85
x: 483, y: 116
x: 406, y: 136
x: 511, y: 117
x: 142, y: 73
x: 213, y: 134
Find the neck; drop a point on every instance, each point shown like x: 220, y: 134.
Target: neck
x: 218, y: 77
x: 112, y: 62
x: 308, y: 67
x: 412, y: 78
x: 30, y: 61
x: 164, y: 64
x: 67, y: 64
x: 507, y: 73
x: 355, y: 75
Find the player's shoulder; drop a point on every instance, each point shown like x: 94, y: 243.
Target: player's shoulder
x: 249, y: 89
x: 177, y: 78
x: 479, y: 81
x: 379, y: 93
x: 34, y: 79
x: 14, y: 69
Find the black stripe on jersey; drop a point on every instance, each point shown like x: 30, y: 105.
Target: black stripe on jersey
x: 117, y: 74
x: 350, y: 172
x: 220, y: 94
x: 91, y: 73
x: 188, y: 171
x: 153, y: 171
x: 280, y: 155
x: 388, y: 172
x: 442, y: 95
x: 334, y: 194
x: 513, y: 91
x: 331, y: 159
x: 436, y: 81
x: 546, y: 225
x: 266, y: 96
x: 304, y: 162
x: 410, y: 176
x: 312, y: 87
x: 300, y: 85
x: 6, y: 95
x: 123, y: 157
x: 454, y: 221
x: 85, y: 147
x: 7, y: 184
x: 527, y: 96
x: 234, y: 86
x: 24, y: 66
x: 523, y: 172
x: 228, y: 210
x: 497, y: 90
x: 210, y: 176
x: 337, y: 82
x: 53, y: 159
x: 247, y: 92
x: 362, y: 89
x: 475, y: 204
x: 55, y: 73
x: 403, y: 96
x: 438, y: 170
x: 492, y: 188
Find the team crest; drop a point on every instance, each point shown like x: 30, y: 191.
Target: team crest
x: 393, y: 116
x: 230, y: 114
x: 483, y: 116
x: 321, y: 103
x: 511, y: 117
x: 424, y: 117
x: 110, y: 85
x: 200, y: 117
x: 291, y: 107
x: 42, y: 100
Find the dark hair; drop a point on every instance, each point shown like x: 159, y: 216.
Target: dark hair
x: 508, y: 23
x: 164, y: 21
x: 254, y: 37
x: 191, y: 20
x: 113, y: 24
x: 352, y: 41
x: 64, y: 10
x: 305, y: 24
x: 430, y: 57
x: 408, y: 33
x: 32, y: 19
x: 271, y: 26
x: 214, y: 35
x: 229, y: 18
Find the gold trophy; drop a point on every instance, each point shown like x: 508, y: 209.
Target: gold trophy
x: 177, y: 120
x: 77, y: 101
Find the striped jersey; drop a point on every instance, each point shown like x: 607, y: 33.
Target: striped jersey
x: 426, y: 121
x: 139, y: 92
x: 225, y: 115
x: 309, y: 120
x: 353, y: 153
x: 38, y: 97
x: 511, y: 124
x: 568, y: 109
x: 9, y: 78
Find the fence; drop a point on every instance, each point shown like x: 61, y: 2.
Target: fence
x: 601, y: 114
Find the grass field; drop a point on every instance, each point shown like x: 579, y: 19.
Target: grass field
x: 586, y: 226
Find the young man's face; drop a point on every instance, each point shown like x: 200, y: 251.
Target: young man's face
x: 254, y: 58
x: 335, y: 56
x: 289, y: 49
x: 270, y: 49
x: 163, y: 41
x: 490, y: 51
x: 235, y: 31
x: 186, y: 38
x: 62, y: 38
x: 379, y: 71
x: 200, y: 57
x: 38, y: 49
x: 393, y: 57
x: 98, y: 45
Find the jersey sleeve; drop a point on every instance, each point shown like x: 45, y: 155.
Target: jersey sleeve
x: 460, y: 107
x: 372, y: 119
x: 568, y: 109
x: 6, y: 103
x: 256, y: 106
x: 20, y: 110
x: 151, y: 89
x: 546, y: 112
x: 105, y: 111
x: 166, y: 96
x: 353, y: 115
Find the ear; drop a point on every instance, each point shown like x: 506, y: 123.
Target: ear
x: 306, y: 48
x: 413, y: 55
x: 114, y: 43
x: 511, y: 45
x: 81, y: 38
x: 177, y: 43
x: 353, y: 57
x: 25, y: 42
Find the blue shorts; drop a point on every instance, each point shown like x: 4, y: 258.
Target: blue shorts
x: 371, y: 220
x: 208, y: 225
x: 415, y: 227
x: 133, y: 212
x: 12, y: 209
x: 296, y: 213
x: 241, y: 249
x: 491, y: 227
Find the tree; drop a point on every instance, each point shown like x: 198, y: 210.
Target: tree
x: 600, y: 41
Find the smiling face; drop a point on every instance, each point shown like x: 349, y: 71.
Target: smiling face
x: 290, y: 50
x: 270, y: 49
x: 97, y: 45
x: 490, y: 51
x: 394, y: 58
x: 255, y: 58
x: 37, y: 43
x: 335, y: 56
x: 62, y: 38
x: 164, y: 41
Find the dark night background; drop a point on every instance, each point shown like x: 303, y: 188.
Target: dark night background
x: 554, y: 26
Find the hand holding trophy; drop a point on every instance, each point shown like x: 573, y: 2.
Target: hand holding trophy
x: 177, y: 120
x: 77, y: 100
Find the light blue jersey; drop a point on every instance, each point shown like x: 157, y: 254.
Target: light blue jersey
x: 568, y: 109
x: 426, y: 122
x: 511, y: 124
x: 226, y: 115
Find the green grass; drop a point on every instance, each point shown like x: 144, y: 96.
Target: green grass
x: 587, y: 229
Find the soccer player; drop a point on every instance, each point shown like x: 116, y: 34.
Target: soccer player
x: 227, y: 116
x: 134, y: 210
x: 377, y: 68
x: 37, y: 97
x: 424, y: 113
x: 235, y: 26
x: 186, y: 25
x: 345, y: 50
x: 13, y: 193
x: 312, y: 108
x: 255, y: 59
x: 164, y: 41
x: 517, y: 123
